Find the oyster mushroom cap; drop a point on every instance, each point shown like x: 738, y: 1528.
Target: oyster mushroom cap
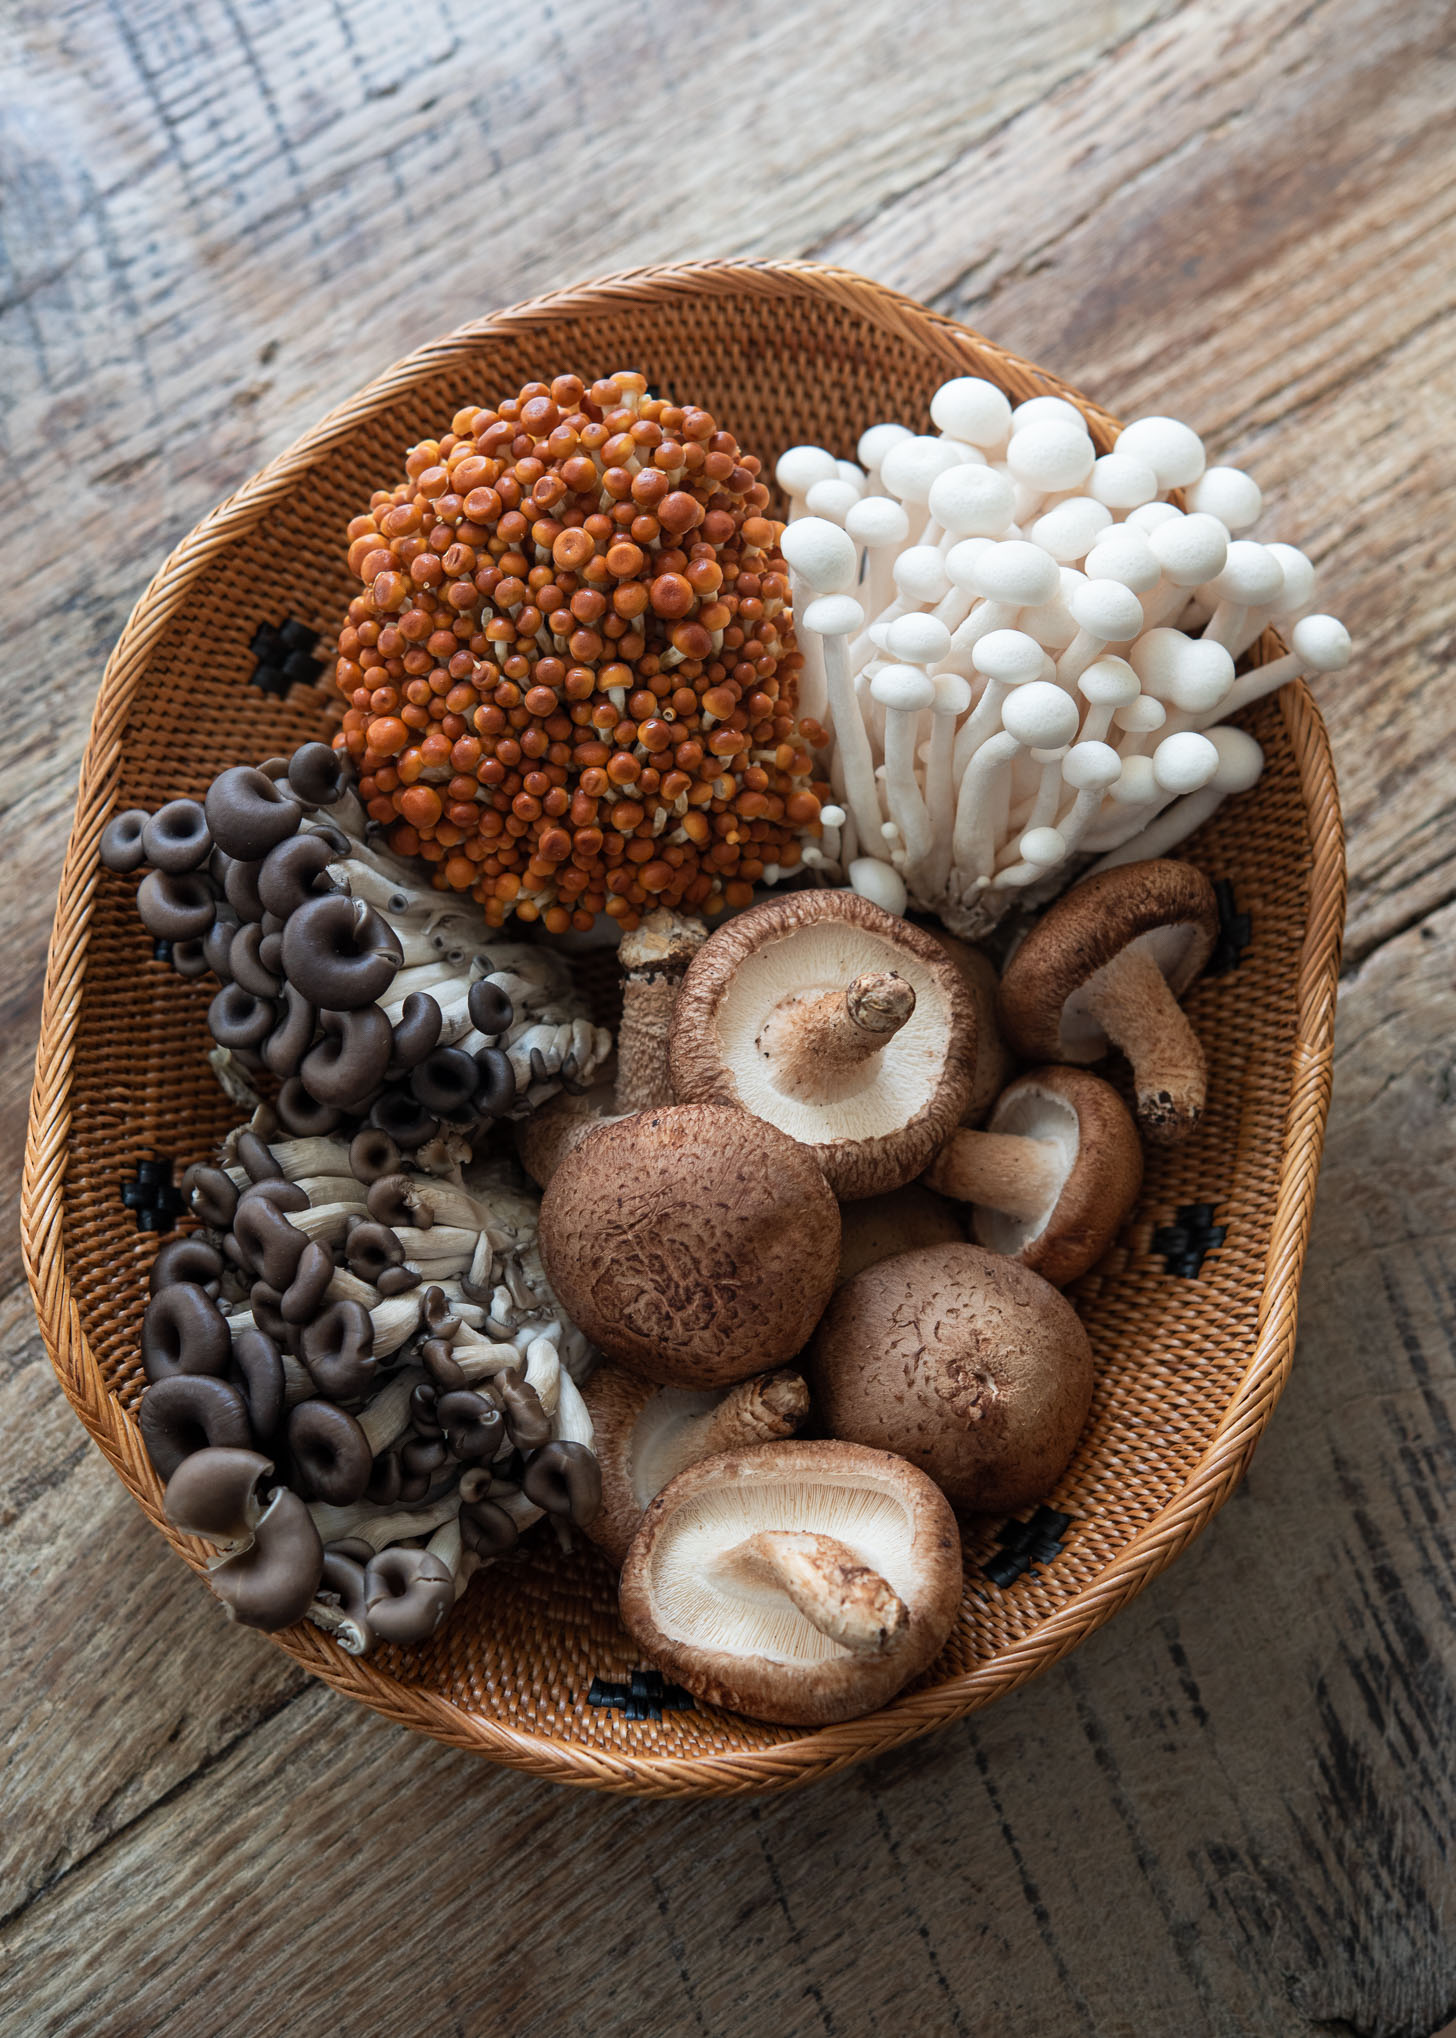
x: 888, y: 1074
x: 695, y: 1244
x: 798, y: 1582
x: 1053, y: 1175
x: 644, y: 1435
x: 1106, y: 965
x: 966, y: 1363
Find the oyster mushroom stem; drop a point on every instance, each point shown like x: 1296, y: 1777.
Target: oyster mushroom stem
x: 825, y: 1580
x: 820, y: 1044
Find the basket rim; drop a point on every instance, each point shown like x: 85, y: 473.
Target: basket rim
x: 1208, y: 1484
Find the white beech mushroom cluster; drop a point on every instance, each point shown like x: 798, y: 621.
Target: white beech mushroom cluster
x: 388, y: 1339
x: 1023, y: 655
x: 363, y: 992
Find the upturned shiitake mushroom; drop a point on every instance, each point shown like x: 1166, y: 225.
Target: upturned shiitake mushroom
x: 1052, y: 1176
x: 696, y: 1244
x: 644, y: 1435
x: 966, y: 1363
x: 1105, y: 966
x: 797, y: 1582
x: 847, y: 1028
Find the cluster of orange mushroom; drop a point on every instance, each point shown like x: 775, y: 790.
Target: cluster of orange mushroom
x: 570, y: 678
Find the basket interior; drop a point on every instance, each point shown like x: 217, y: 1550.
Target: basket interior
x: 526, y: 1644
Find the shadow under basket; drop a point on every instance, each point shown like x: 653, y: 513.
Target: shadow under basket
x: 1192, y: 1314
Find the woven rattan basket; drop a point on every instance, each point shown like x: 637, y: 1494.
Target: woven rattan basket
x: 1191, y: 1358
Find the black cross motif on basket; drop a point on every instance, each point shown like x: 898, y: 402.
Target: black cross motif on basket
x: 1024, y: 1545
x: 646, y: 1697
x: 1184, y: 1242
x: 285, y: 656
x: 1235, y: 932
x: 156, y: 1202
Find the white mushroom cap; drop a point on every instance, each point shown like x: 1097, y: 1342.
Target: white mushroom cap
x: 1121, y: 482
x: 962, y: 559
x: 878, y: 882
x: 903, y: 686
x: 1070, y: 529
x: 833, y: 615
x: 972, y: 501
x: 877, y: 441
x: 1008, y: 655
x: 1173, y: 450
x: 1151, y: 514
x: 911, y: 465
x: 1016, y: 571
x: 1228, y: 494
x: 1298, y: 590
x: 1142, y: 716
x: 833, y: 499
x: 1092, y: 766
x: 952, y: 697
x: 878, y: 520
x: 800, y: 467
x: 1194, y: 673
x: 1109, y: 683
x: 1107, y: 609
x: 1191, y: 550
x: 973, y: 409
x: 1040, y: 410
x: 853, y: 473
x: 1125, y: 554
x: 920, y: 573
x: 1041, y: 716
x: 1051, y: 455
x: 821, y: 554
x: 919, y: 640
x: 1240, y: 760
x: 1184, y: 762
x: 1321, y: 642
x: 1044, y: 847
x: 1137, y: 786
x: 1251, y: 575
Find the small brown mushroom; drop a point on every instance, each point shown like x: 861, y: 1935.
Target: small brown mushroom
x: 842, y: 1025
x: 217, y: 1494
x: 695, y: 1243
x: 1053, y: 1175
x: 964, y: 1362
x: 798, y: 1582
x: 121, y: 840
x: 878, y: 1227
x: 1105, y: 966
x: 184, y: 1331
x: 407, y: 1593
x: 645, y: 1435
x: 187, y: 1414
x: 564, y: 1478
x: 270, y: 1584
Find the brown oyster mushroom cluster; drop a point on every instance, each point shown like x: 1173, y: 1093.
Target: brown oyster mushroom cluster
x: 388, y: 1340
x: 570, y: 679
x: 362, y: 995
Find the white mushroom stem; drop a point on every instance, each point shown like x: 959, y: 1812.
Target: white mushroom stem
x: 832, y: 618
x: 1001, y: 1171
x: 904, y: 693
x: 1240, y: 762
x: 1321, y: 644
x: 572, y: 1422
x: 973, y: 847
x: 327, y: 1221
x: 817, y: 1044
x: 836, y: 1593
x: 481, y: 1358
x: 952, y: 698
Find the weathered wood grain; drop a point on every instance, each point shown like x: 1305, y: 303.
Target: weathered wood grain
x: 1230, y: 1812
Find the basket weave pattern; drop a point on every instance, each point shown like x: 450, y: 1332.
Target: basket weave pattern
x: 1188, y: 1369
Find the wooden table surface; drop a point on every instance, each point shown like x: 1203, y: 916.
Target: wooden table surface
x: 1231, y: 1811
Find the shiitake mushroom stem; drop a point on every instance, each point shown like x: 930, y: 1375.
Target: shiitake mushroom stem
x: 1130, y: 999
x: 826, y: 1581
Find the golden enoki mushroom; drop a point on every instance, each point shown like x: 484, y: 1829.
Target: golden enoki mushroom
x: 570, y: 681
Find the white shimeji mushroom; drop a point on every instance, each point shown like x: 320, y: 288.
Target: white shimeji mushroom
x: 1174, y: 451
x: 1120, y: 482
x: 1047, y: 458
x: 1106, y: 685
x: 1250, y: 578
x: 873, y: 446
x: 1071, y: 528
x: 1105, y: 612
x: 1124, y: 554
x: 799, y: 469
x: 1010, y: 575
x: 833, y: 499
x: 1190, y: 550
x: 1040, y: 410
x: 880, y: 525
x: 1240, y: 762
x: 1228, y: 494
x: 1321, y: 644
x: 972, y: 410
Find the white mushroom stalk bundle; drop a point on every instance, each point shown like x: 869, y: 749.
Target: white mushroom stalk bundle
x: 363, y: 994
x: 388, y: 1340
x: 1022, y: 656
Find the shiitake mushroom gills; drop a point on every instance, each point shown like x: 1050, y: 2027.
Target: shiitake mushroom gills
x: 570, y: 682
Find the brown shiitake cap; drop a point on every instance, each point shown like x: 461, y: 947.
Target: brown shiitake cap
x: 796, y: 1582
x: 696, y: 1244
x: 878, y: 1227
x: 1060, y: 1213
x: 877, y: 1124
x: 1107, y: 964
x: 964, y: 1362
x: 643, y: 1435
x: 994, y: 1062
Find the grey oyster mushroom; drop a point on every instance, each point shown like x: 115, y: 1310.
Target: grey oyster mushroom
x: 367, y: 995
x: 388, y: 1338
